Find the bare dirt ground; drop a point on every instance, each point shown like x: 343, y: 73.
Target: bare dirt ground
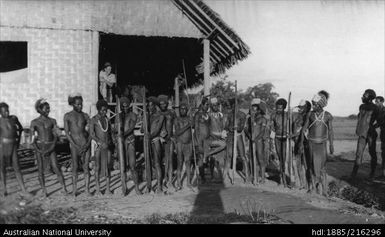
x: 282, y: 204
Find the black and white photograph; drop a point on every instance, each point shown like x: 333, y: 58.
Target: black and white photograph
x: 192, y: 112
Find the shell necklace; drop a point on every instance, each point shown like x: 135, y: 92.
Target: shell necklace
x: 101, y: 127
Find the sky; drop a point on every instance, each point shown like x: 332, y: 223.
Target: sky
x: 307, y: 46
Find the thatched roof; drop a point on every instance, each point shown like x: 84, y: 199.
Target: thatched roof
x: 134, y: 17
x: 226, y: 47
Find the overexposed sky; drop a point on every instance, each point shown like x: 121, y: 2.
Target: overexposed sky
x: 306, y: 46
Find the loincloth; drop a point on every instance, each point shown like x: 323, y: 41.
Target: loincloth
x: 318, y: 156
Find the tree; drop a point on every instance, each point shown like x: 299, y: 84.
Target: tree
x: 263, y: 91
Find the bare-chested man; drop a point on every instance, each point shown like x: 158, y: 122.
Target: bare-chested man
x: 167, y: 134
x: 279, y: 119
x: 320, y: 130
x: 129, y: 120
x: 202, y: 133
x: 75, y: 125
x: 44, y: 144
x: 184, y: 144
x: 240, y: 125
x: 257, y: 131
x: 156, y: 124
x: 366, y: 132
x: 10, y: 133
x: 217, y: 138
x: 100, y: 131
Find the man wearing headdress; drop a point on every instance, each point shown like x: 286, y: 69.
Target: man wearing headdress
x: 156, y: 124
x: 240, y: 125
x: 183, y: 129
x: 76, y: 125
x: 107, y: 80
x: 167, y: 135
x: 320, y: 130
x: 100, y: 131
x: 129, y: 120
x: 202, y: 133
x: 279, y: 129
x: 300, y: 143
x: 257, y: 131
x: 366, y: 132
x: 10, y: 133
x: 44, y: 143
x: 217, y: 139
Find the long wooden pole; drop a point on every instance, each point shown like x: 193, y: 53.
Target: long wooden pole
x: 118, y: 124
x: 196, y: 172
x: 235, y: 134
x: 146, y: 143
x: 206, y: 67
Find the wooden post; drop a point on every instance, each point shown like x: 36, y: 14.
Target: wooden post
x: 95, y: 65
x: 206, y: 67
x: 176, y: 89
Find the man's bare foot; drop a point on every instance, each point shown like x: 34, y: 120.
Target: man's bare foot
x: 98, y: 193
x: 108, y: 192
x: 178, y: 187
x: 147, y: 190
x: 159, y: 191
x: 3, y: 194
x: 138, y: 192
x: 89, y: 194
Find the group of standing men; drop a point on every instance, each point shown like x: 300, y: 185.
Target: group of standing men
x: 204, y: 138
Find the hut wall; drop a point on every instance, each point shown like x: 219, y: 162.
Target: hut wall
x: 131, y: 17
x: 60, y: 62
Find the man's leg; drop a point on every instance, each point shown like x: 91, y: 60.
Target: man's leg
x: 169, y: 169
x: 280, y: 146
x: 200, y: 155
x: 40, y: 168
x: 242, y: 154
x: 383, y: 158
x: 219, y: 145
x: 86, y: 170
x: 228, y: 159
x: 57, y: 171
x: 16, y: 167
x: 260, y: 161
x: 97, y: 170
x: 108, y: 172
x: 156, y: 147
x: 3, y: 173
x: 130, y: 149
x: 75, y: 162
x: 361, y: 144
x: 373, y: 154
x: 179, y: 148
x: 188, y: 156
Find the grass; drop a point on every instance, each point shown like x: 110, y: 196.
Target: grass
x: 344, y: 128
x: 35, y: 214
x: 356, y: 195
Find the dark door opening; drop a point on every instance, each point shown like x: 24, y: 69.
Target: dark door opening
x: 152, y: 62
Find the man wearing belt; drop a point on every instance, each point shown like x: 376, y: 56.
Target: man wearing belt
x: 129, y: 120
x: 156, y: 124
x: 45, y: 142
